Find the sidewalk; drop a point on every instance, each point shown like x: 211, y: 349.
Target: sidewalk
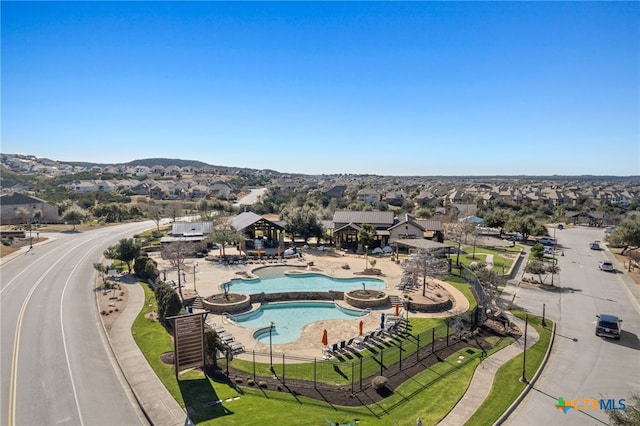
x: 483, y: 377
x: 155, y: 400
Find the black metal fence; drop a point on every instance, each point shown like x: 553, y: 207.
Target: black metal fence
x: 351, y: 370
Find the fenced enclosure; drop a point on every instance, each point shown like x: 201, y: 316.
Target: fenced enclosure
x: 353, y: 368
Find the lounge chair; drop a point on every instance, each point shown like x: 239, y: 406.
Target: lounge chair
x: 343, y: 344
x: 334, y: 348
x: 226, y: 337
x: 236, y: 347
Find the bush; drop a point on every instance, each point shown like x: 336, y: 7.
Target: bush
x: 379, y: 382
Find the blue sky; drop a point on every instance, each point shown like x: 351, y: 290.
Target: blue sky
x: 387, y: 88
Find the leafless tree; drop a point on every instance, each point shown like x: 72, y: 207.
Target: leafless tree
x: 428, y: 263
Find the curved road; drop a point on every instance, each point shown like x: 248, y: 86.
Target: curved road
x: 55, y: 365
x: 583, y: 366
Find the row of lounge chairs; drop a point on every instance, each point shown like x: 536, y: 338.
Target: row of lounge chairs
x: 227, y: 338
x: 235, y: 260
x: 392, y: 329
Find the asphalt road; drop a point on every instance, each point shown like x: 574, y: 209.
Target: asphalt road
x: 582, y: 365
x: 56, y: 367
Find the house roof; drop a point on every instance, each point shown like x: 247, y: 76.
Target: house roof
x: 191, y: 229
x: 247, y: 219
x: 372, y: 218
x: 16, y: 198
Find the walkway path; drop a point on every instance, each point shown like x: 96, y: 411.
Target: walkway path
x: 154, y: 398
x: 483, y: 377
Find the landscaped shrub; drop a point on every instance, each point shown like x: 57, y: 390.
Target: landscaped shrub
x: 379, y: 382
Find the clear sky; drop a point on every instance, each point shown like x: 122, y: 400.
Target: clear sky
x: 388, y: 88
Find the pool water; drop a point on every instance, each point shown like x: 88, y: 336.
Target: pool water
x: 274, y: 280
x: 290, y: 317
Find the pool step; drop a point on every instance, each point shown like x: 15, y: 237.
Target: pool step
x: 395, y: 299
x: 197, y: 303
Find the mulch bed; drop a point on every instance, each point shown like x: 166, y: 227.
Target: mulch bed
x: 341, y: 395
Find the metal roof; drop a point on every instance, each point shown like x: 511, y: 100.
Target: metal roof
x: 372, y: 218
x: 191, y: 228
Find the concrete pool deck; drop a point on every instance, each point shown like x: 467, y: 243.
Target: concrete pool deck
x: 210, y: 275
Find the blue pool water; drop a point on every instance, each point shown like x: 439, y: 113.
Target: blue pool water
x: 273, y: 280
x: 290, y: 317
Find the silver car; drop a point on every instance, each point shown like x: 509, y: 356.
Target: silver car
x: 607, y: 266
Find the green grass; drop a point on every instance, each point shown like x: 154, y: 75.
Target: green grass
x: 464, y: 288
x: 430, y: 394
x: 507, y: 379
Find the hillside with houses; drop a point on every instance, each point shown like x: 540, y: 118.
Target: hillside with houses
x: 448, y: 198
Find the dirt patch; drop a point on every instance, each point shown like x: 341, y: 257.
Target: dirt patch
x: 113, y: 299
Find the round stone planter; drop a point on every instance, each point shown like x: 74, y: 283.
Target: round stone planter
x: 217, y: 303
x: 363, y: 300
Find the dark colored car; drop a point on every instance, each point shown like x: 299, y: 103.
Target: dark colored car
x: 608, y: 326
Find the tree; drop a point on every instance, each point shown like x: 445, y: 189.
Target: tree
x: 496, y: 219
x: 21, y: 214
x: 303, y: 222
x: 168, y: 302
x: 629, y: 416
x: 535, y: 267
x: 525, y: 225
x: 212, y: 344
x: 366, y: 234
x: 126, y: 250
x: 225, y: 235
x: 103, y: 270
x: 428, y: 263
x: 538, y: 267
x: 537, y: 251
x: 155, y: 212
x: 626, y: 234
x: 74, y: 215
x: 205, y: 208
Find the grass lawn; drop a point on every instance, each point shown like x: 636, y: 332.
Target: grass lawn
x: 507, y: 380
x: 430, y: 394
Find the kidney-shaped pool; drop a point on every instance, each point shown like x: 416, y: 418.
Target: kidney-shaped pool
x: 289, y: 318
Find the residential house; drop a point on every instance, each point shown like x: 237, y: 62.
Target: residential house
x: 18, y: 208
x: 347, y: 224
x: 368, y: 196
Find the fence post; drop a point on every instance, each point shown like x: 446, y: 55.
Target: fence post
x: 433, y: 340
x: 283, y: 362
x: 352, y: 378
x: 381, y: 361
x: 361, y: 373
x: 401, y: 354
x: 447, y: 321
x: 254, y: 365
x: 315, y: 374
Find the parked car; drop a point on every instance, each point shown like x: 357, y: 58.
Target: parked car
x: 607, y: 266
x: 546, y: 241
x: 560, y: 226
x: 608, y: 326
x: 594, y: 246
x: 548, y: 250
x: 608, y: 229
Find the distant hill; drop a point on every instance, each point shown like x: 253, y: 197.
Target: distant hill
x: 148, y: 162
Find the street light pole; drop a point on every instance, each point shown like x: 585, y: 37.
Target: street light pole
x: 30, y: 239
x: 194, y: 276
x: 524, y: 352
x: 553, y: 255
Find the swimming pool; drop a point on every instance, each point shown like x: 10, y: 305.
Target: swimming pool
x: 274, y: 280
x: 289, y: 319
